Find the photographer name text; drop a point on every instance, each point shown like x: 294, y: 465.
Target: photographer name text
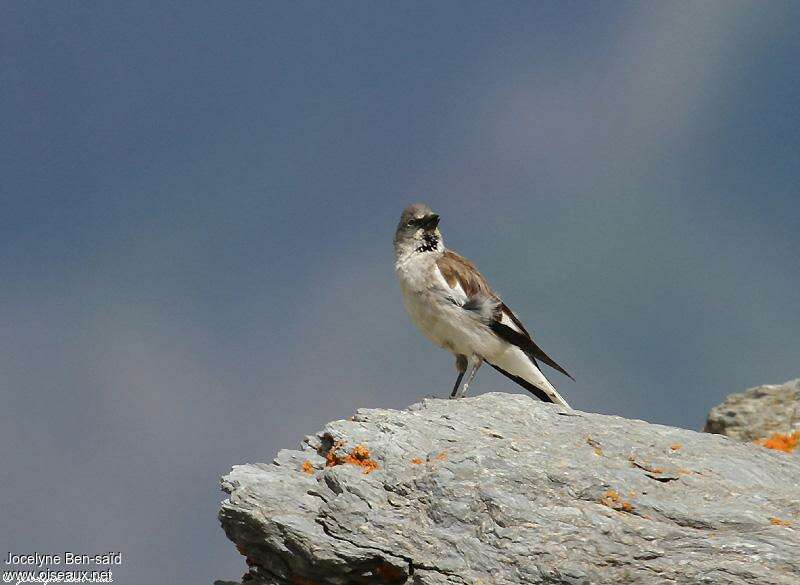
x: 66, y: 558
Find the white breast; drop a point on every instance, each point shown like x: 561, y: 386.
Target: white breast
x: 435, y: 309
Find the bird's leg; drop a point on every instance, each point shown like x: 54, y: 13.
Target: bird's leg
x: 476, y: 363
x: 461, y: 366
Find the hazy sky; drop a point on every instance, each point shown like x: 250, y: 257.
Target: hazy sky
x: 199, y: 202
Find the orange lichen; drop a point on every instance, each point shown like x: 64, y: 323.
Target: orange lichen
x: 441, y: 456
x: 307, y: 467
x: 358, y: 456
x: 781, y: 442
x: 416, y: 461
x: 613, y: 500
x: 779, y: 522
x: 675, y: 446
x: 331, y: 457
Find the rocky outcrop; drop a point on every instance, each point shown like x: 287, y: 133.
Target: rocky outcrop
x: 758, y: 413
x: 503, y: 489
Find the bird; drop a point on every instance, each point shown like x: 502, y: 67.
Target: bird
x: 452, y: 304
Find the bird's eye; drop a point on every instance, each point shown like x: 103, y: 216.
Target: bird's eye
x: 411, y: 222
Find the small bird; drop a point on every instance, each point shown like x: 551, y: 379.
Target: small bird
x: 453, y: 305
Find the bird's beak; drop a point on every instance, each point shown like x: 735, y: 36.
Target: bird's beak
x: 430, y: 221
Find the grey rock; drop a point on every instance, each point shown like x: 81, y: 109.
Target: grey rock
x: 758, y: 412
x: 502, y: 489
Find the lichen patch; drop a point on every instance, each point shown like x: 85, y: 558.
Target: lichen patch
x: 358, y: 456
x: 780, y: 442
x: 613, y: 500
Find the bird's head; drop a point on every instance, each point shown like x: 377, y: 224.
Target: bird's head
x: 418, y: 231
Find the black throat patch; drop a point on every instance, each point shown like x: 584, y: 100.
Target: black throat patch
x: 431, y: 243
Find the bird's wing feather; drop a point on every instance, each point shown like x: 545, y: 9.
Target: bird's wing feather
x: 460, y: 272
x: 477, y: 296
x: 538, y: 392
x: 522, y: 339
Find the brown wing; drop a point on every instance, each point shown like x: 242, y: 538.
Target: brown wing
x: 482, y: 300
x: 457, y: 270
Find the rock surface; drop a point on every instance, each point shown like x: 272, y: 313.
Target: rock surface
x: 501, y: 488
x: 758, y: 412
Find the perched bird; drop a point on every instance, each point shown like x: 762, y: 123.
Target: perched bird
x: 453, y: 305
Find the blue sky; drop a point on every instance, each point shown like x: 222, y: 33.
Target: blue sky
x: 199, y: 202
